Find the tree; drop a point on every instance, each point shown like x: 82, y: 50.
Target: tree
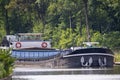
x: 41, y: 9
x: 86, y: 19
x: 21, y: 15
x: 3, y: 4
x: 104, y: 15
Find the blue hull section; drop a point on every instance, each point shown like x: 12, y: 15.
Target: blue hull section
x: 34, y: 54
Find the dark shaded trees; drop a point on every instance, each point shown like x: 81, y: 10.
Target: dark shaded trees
x: 85, y: 2
x: 4, y: 13
x: 82, y: 19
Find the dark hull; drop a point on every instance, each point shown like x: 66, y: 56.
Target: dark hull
x: 76, y: 62
x: 91, y: 57
x: 68, y: 62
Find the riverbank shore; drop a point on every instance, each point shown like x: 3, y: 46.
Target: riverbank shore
x: 117, y: 63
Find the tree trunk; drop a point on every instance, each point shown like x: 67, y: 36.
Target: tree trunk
x: 86, y: 19
x: 5, y: 15
x: 70, y: 24
x: 7, y: 23
x: 43, y: 21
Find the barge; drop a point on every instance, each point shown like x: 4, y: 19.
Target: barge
x: 29, y: 47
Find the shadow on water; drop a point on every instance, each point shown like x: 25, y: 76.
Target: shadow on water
x: 114, y: 70
x: 104, y: 71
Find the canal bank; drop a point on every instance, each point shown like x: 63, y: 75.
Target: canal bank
x: 117, y: 63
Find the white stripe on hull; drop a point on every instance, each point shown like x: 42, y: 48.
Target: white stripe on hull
x: 89, y: 54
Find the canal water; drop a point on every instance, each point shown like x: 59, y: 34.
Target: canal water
x: 67, y: 74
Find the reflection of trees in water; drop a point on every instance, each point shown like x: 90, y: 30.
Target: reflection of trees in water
x: 105, y: 71
x: 116, y: 69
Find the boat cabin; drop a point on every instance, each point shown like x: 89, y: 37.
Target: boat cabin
x: 30, y: 40
x: 29, y: 36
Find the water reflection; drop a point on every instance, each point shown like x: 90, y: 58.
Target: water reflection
x: 97, y: 74
x: 40, y: 71
x: 116, y: 69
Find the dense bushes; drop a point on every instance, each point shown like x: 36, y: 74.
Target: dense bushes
x: 65, y: 38
x: 6, y: 63
x: 63, y: 21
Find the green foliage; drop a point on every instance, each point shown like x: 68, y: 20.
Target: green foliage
x: 2, y: 71
x: 112, y: 39
x: 38, y: 27
x: 80, y: 36
x: 66, y: 39
x: 63, y: 21
x: 56, y: 33
x: 2, y: 23
x: 97, y: 37
x: 6, y: 63
x: 2, y: 32
x: 117, y: 57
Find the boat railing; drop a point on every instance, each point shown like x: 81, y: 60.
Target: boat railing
x: 90, y: 43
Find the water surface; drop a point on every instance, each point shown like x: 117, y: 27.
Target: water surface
x: 67, y: 74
